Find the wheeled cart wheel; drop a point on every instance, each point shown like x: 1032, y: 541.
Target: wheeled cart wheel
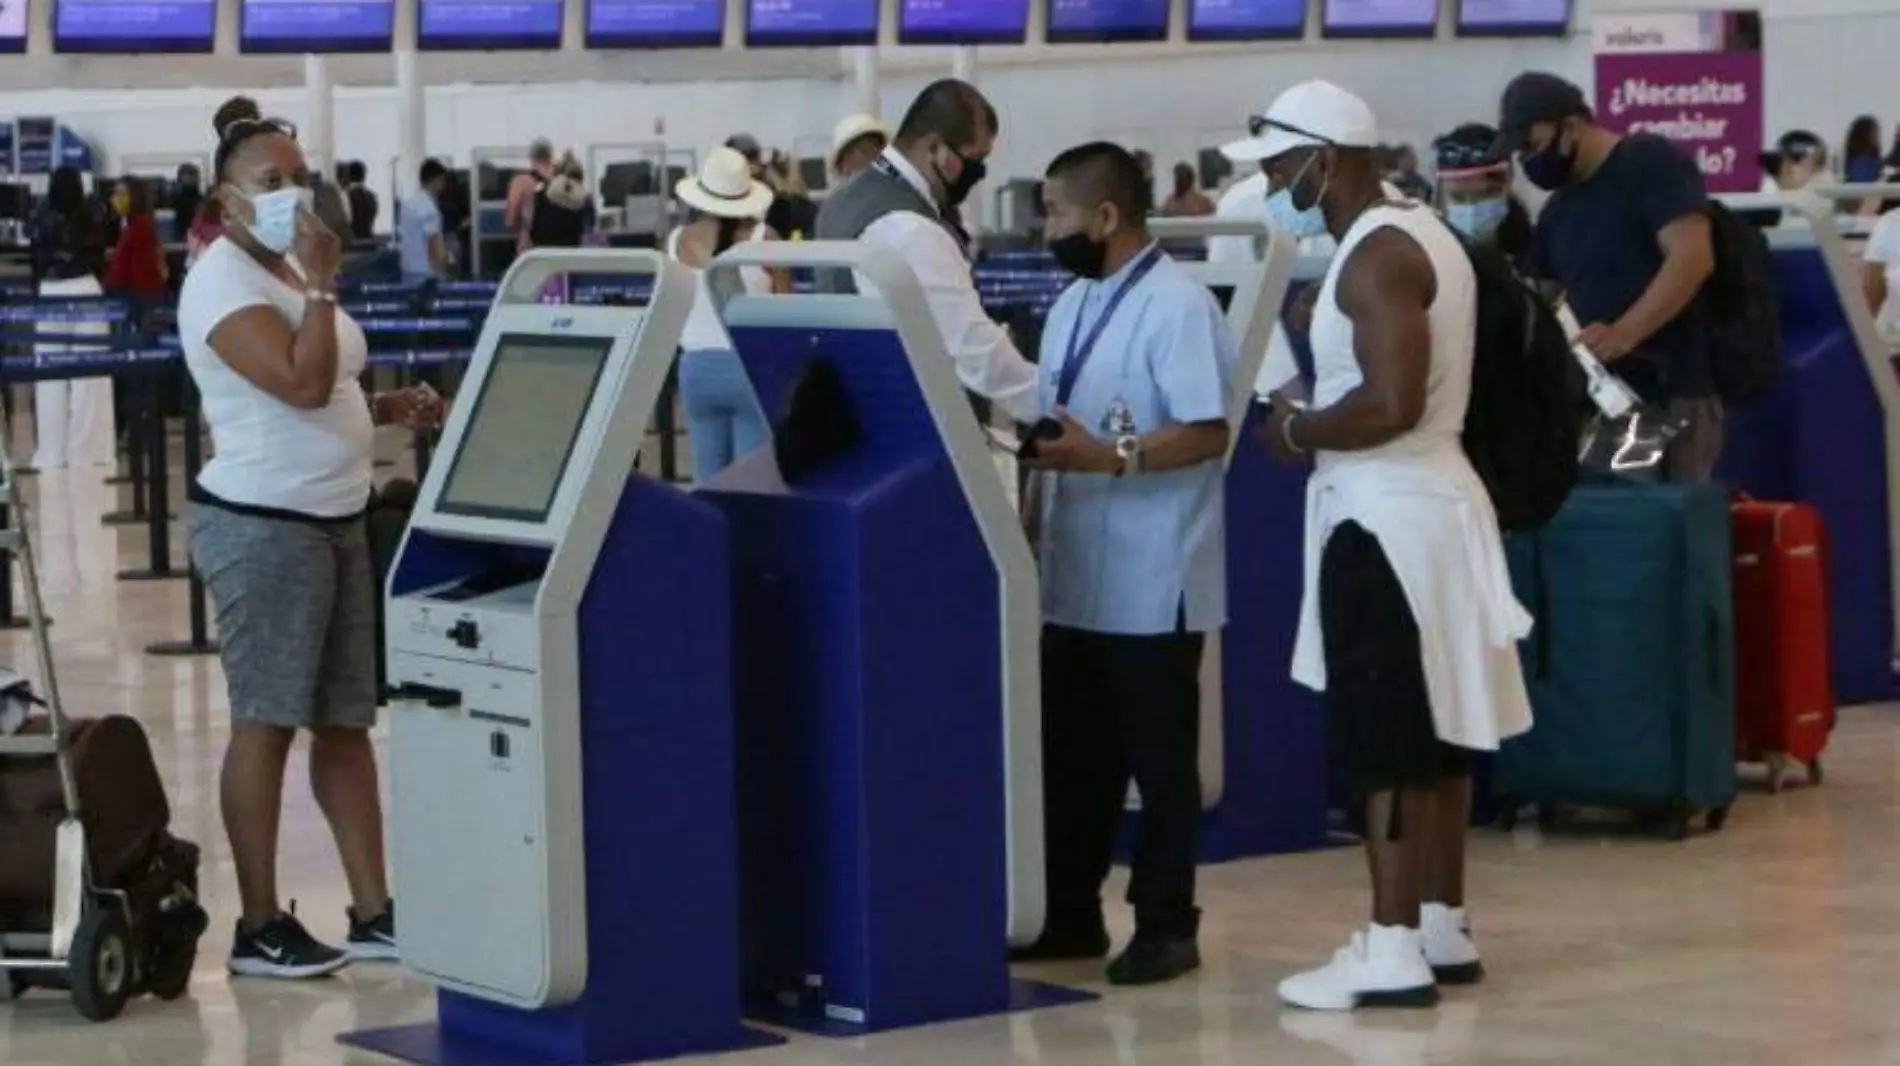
x: 1718, y: 817
x: 171, y: 972
x: 1815, y: 776
x: 100, y: 964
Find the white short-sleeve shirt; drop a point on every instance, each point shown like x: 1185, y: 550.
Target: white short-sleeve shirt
x: 1883, y: 248
x: 268, y: 453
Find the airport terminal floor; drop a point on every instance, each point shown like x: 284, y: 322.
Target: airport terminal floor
x: 1772, y: 942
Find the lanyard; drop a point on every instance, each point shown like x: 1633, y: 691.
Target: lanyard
x: 1080, y: 349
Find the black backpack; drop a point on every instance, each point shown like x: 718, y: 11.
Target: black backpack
x: 1525, y: 422
x: 1741, y: 311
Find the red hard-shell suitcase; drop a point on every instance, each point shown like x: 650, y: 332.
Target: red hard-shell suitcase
x: 1784, y: 691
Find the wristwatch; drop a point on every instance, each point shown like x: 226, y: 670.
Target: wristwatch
x: 1129, y: 449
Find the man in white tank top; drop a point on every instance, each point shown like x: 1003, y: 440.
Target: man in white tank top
x: 1408, y: 624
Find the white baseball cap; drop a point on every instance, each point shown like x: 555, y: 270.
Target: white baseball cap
x: 854, y: 127
x: 1310, y: 113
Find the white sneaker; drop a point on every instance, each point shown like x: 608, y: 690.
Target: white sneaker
x: 1453, y: 956
x: 1381, y: 967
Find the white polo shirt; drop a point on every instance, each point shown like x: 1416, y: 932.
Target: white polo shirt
x: 268, y: 453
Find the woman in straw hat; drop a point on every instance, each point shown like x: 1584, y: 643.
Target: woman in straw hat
x: 722, y: 413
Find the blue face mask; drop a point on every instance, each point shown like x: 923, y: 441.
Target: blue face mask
x: 1289, y: 218
x: 1478, y: 220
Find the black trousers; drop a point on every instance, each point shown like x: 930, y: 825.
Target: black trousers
x: 1116, y: 707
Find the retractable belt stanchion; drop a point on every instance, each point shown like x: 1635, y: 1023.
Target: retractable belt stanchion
x: 199, y: 642
x: 158, y: 480
x: 148, y: 417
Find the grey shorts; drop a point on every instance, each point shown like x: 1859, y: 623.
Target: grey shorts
x: 295, y: 605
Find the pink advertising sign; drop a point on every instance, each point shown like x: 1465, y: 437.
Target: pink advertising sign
x: 1710, y: 103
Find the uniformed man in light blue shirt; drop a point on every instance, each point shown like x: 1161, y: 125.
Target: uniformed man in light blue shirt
x: 419, y: 226
x: 1136, y: 365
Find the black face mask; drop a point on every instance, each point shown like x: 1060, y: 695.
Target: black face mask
x: 1550, y: 169
x: 1080, y: 254
x: 955, y: 192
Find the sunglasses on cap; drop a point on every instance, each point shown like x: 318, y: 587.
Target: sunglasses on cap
x: 250, y: 127
x: 1258, y: 125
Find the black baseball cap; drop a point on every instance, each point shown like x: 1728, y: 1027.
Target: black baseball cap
x: 746, y: 145
x: 1470, y: 149
x: 1532, y: 98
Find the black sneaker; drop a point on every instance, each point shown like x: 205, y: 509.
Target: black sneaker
x: 376, y: 938
x: 1151, y: 960
x: 282, y: 948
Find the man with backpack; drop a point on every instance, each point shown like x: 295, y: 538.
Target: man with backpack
x: 1628, y: 236
x: 1408, y: 623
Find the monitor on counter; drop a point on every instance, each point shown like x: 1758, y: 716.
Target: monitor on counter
x: 1380, y: 18
x: 1513, y: 18
x: 295, y: 26
x: 118, y: 26
x: 809, y: 23
x: 523, y: 428
x: 646, y: 24
x: 1246, y: 20
x: 487, y: 25
x: 963, y: 21
x: 1073, y: 21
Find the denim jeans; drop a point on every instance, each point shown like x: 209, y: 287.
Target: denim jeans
x: 723, y: 417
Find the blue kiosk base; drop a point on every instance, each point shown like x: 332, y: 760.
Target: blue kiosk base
x: 428, y: 1045
x: 1024, y: 996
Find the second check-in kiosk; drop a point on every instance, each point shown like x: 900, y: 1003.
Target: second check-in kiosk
x: 1262, y: 736
x: 885, y: 636
x: 561, y: 755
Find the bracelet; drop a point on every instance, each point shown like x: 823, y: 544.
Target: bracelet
x: 320, y: 296
x: 1286, y: 434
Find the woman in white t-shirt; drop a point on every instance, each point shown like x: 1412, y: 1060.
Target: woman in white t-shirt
x: 723, y: 419
x: 276, y: 528
x: 1880, y: 275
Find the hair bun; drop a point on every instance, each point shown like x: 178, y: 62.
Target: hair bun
x: 235, y: 110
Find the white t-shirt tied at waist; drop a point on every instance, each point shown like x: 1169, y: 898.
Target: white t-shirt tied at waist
x: 1423, y: 501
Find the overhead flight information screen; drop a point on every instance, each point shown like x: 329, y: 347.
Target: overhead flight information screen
x: 521, y: 434
x: 1506, y: 18
x: 1245, y: 20
x: 656, y: 23
x: 1108, y: 20
x: 488, y: 24
x: 317, y: 25
x: 811, y: 22
x: 118, y: 25
x: 1380, y: 18
x: 963, y: 21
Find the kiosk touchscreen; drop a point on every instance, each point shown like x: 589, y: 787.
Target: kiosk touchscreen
x: 1261, y: 742
x: 561, y: 753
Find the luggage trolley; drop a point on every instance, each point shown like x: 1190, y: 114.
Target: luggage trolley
x: 99, y: 943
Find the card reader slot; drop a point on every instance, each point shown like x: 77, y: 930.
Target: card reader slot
x: 435, y: 697
x: 501, y: 719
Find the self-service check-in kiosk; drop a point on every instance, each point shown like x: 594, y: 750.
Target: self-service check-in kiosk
x: 1829, y: 433
x: 886, y: 630
x: 1262, y: 736
x: 561, y: 771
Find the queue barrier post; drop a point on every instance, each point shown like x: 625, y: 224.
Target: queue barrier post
x: 199, y: 641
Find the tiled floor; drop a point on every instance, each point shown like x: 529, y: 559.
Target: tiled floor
x: 1776, y: 942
